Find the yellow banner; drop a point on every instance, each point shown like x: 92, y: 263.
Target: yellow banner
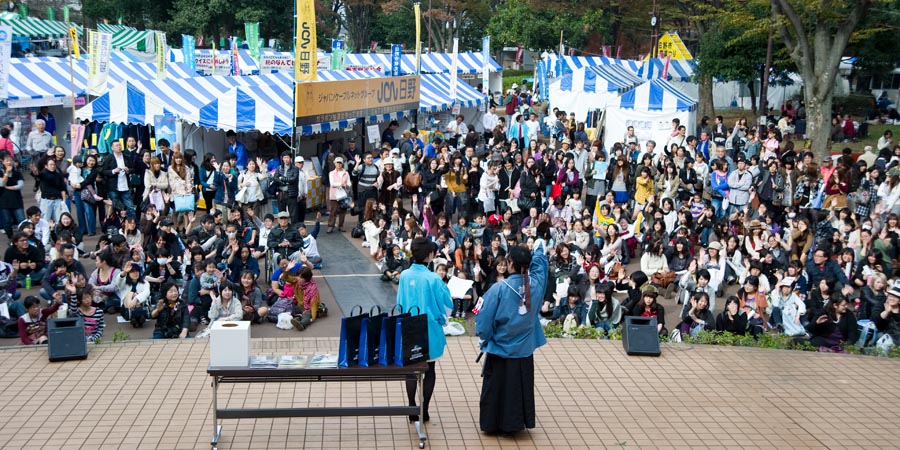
x: 93, y: 36
x: 418, y: 13
x: 305, y: 66
x: 161, y: 54
x: 73, y: 35
x: 331, y: 101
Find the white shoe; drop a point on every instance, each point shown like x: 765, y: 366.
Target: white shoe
x: 365, y: 244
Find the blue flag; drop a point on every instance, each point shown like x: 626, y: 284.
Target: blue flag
x: 188, y: 51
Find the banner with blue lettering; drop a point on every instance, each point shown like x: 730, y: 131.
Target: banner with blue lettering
x: 188, y: 51
x: 337, y: 54
x: 543, y: 80
x: 396, y: 56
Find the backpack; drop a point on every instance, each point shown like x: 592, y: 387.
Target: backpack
x: 512, y: 101
x: 9, y: 328
x: 282, y: 305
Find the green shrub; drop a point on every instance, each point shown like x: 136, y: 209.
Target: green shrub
x: 120, y: 336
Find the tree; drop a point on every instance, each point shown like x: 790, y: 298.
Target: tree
x: 816, y: 33
x: 700, y: 14
x: 537, y: 25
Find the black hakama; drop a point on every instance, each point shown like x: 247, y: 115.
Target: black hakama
x: 507, y: 394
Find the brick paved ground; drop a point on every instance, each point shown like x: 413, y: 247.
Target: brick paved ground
x: 156, y: 395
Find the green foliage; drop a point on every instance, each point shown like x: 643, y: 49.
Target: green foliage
x: 120, y: 336
x: 396, y: 27
x: 537, y: 27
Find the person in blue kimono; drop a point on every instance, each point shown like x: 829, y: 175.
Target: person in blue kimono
x: 508, y: 325
x: 424, y: 289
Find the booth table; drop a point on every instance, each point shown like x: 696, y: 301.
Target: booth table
x: 221, y: 375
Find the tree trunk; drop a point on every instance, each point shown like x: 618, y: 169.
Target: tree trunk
x: 752, y: 87
x: 705, y: 105
x: 818, y: 123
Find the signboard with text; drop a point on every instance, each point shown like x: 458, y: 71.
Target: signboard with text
x: 330, y: 101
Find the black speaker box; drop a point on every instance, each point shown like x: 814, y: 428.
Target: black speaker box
x: 639, y: 336
x: 66, y: 339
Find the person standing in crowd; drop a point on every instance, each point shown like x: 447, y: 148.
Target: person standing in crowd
x: 508, y: 326
x: 115, y: 171
x: 237, y: 149
x: 423, y: 289
x: 39, y: 139
x: 12, y: 204
x: 300, y: 209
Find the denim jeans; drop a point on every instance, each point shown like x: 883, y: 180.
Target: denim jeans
x: 605, y: 326
x: 717, y: 206
x: 80, y: 212
x: 51, y: 209
x: 124, y: 197
x: 11, y: 218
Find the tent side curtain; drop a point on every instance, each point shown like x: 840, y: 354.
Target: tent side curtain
x: 600, y: 79
x: 435, y: 93
x: 679, y: 70
x: 655, y: 95
x: 431, y: 62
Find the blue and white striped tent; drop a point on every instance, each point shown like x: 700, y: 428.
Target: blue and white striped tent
x: 139, y: 101
x: 431, y: 62
x: 679, y: 70
x: 655, y: 95
x: 579, y: 62
x: 649, y: 108
x: 590, y: 88
x: 33, y: 82
x: 435, y: 93
x: 240, y: 109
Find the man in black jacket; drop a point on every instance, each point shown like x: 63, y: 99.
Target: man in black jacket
x: 287, y: 177
x: 284, y: 239
x: 115, y: 169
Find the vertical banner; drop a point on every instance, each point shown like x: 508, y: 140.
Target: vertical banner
x: 51, y: 13
x: 454, y: 67
x: 161, y: 54
x: 235, y: 58
x: 519, y: 52
x: 251, y: 34
x: 665, y: 72
x: 486, y: 64
x: 189, y: 51
x: 100, y: 64
x: 418, y: 13
x: 337, y: 54
x: 396, y: 60
x: 23, y: 10
x: 73, y: 36
x: 5, y: 55
x: 214, y: 57
x: 65, y: 10
x: 93, y: 42
x: 544, y: 81
x: 305, y: 59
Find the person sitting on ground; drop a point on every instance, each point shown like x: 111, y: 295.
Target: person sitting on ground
x: 284, y: 239
x: 225, y: 306
x: 698, y: 317
x: 28, y: 258
x: 836, y: 327
x: 732, y: 320
x: 104, y: 280
x: 648, y: 307
x: 395, y: 262
x: 571, y: 305
x: 605, y: 312
x: 250, y: 295
x: 887, y: 319
x: 82, y: 305
x: 135, y: 292
x: 171, y: 314
x: 310, y: 292
x: 54, y: 280
x: 33, y: 324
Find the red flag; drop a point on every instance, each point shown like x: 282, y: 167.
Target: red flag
x: 665, y: 74
x: 373, y: 45
x: 519, y: 52
x: 199, y: 41
x: 604, y: 51
x: 571, y: 51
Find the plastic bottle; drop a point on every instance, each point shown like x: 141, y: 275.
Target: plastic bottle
x: 28, y: 281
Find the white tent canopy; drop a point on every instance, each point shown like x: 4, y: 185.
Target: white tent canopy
x: 649, y: 108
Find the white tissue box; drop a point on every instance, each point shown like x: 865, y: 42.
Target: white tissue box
x: 229, y: 344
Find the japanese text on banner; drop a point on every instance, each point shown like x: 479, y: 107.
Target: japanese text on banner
x: 306, y: 64
x: 5, y: 55
x: 161, y: 54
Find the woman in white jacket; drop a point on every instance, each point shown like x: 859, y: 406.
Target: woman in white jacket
x: 135, y: 294
x: 225, y: 306
x: 251, y: 193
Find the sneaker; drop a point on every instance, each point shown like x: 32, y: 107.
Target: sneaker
x: 365, y: 244
x: 204, y: 321
x: 297, y: 324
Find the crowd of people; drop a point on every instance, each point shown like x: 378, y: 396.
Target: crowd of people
x: 809, y: 244
x: 733, y: 228
x: 180, y: 242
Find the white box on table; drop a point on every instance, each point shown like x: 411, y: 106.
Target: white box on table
x: 229, y: 344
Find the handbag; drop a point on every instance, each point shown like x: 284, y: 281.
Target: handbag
x: 184, y: 203
x: 663, y: 279
x: 281, y: 306
x: 556, y: 190
x: 351, y: 335
x: 242, y: 196
x: 340, y: 194
x: 370, y: 337
x: 411, y: 340
x: 89, y: 196
x: 412, y: 180
x: 388, y: 334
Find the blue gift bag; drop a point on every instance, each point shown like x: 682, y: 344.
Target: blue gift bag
x: 351, y: 332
